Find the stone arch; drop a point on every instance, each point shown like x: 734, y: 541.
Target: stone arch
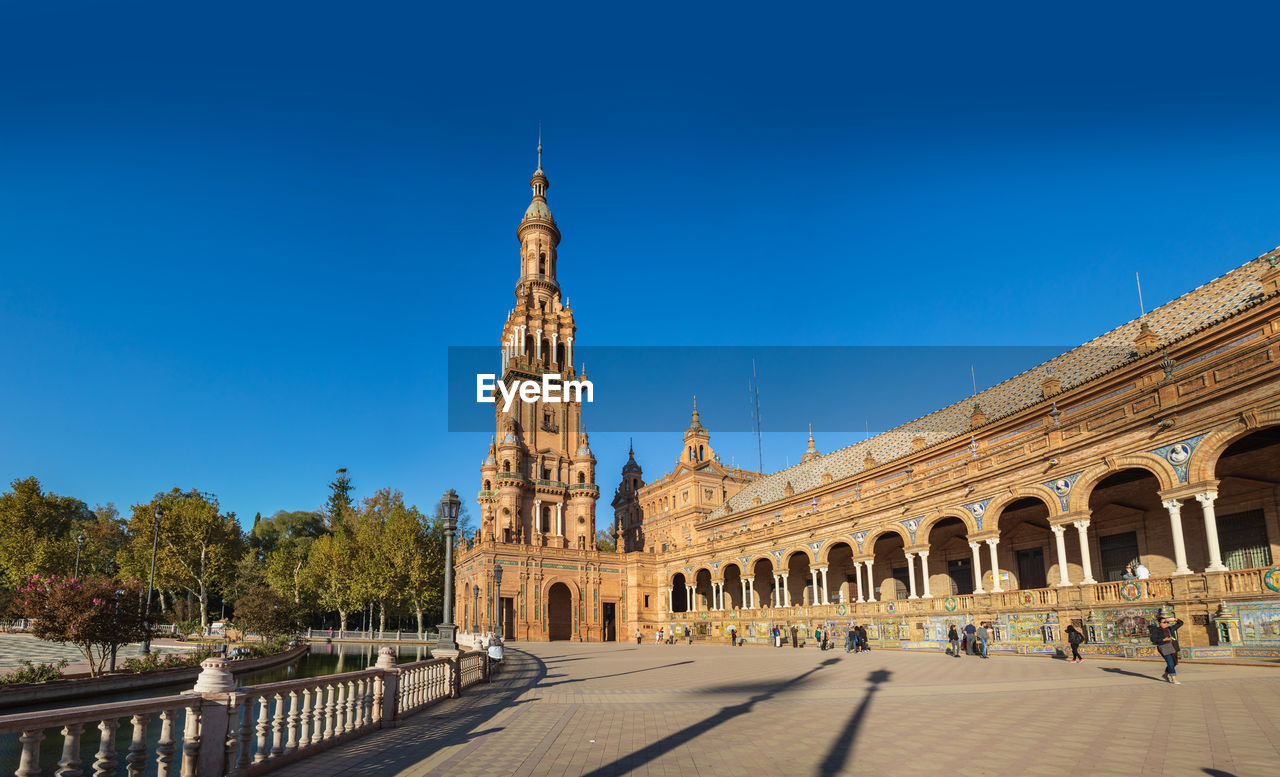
x: 559, y: 618
x: 808, y: 553
x: 824, y: 555
x: 933, y: 518
x: 875, y: 534
x: 725, y: 567
x: 1092, y: 476
x: 732, y: 584
x: 1037, y: 491
x: 1204, y: 459
x: 766, y: 556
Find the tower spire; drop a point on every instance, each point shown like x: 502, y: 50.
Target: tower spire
x: 539, y: 146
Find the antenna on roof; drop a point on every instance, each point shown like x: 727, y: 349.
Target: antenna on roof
x: 973, y: 378
x: 868, y: 425
x: 1141, y: 308
x: 753, y: 398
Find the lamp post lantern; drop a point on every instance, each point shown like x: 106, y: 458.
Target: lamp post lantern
x: 80, y: 541
x: 450, y: 504
x: 151, y: 580
x: 497, y: 596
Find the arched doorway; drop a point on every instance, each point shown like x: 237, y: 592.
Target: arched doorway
x: 1246, y: 507
x: 1026, y: 551
x: 679, y: 593
x: 703, y: 596
x: 1128, y: 523
x: 844, y: 586
x: 732, y: 587
x: 559, y: 612
x: 889, y: 569
x: 950, y: 558
x: 762, y: 583
x: 799, y: 581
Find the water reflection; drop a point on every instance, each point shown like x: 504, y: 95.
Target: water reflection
x: 322, y: 659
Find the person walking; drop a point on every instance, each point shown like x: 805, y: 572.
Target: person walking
x: 657, y: 638
x: 777, y: 637
x: 817, y: 637
x: 953, y: 637
x: 795, y: 637
x: 826, y: 637
x: 639, y: 637
x: 1164, y: 635
x: 862, y: 639
x: 851, y: 639
x: 982, y: 635
x: 1074, y: 639
x: 733, y: 635
x: 970, y: 634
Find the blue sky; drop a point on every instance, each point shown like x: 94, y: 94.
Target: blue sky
x: 237, y: 241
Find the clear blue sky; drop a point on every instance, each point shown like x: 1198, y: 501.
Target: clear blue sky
x: 236, y: 240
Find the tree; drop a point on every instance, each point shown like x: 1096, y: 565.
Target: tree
x: 198, y: 547
x: 264, y: 612
x: 339, y: 504
x: 386, y: 533
x: 605, y: 541
x: 37, y: 531
x: 285, y: 527
x: 332, y: 572
x: 97, y: 615
x: 105, y: 538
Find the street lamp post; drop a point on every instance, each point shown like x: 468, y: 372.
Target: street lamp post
x: 497, y: 596
x: 151, y: 579
x: 450, y: 504
x: 115, y: 620
x: 80, y: 541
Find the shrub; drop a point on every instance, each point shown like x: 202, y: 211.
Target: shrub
x: 34, y: 673
x: 158, y: 661
x: 96, y: 615
x: 264, y: 612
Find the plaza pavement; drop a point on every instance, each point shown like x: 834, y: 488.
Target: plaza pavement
x: 611, y: 709
x: 16, y: 647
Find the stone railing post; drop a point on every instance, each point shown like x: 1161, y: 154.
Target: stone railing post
x: 390, y: 687
x: 215, y: 684
x: 455, y: 676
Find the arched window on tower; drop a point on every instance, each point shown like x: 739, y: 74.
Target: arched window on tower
x: 542, y: 264
x: 506, y: 466
x: 582, y: 478
x: 528, y: 345
x: 559, y: 353
x: 701, y: 454
x: 546, y: 352
x: 487, y: 486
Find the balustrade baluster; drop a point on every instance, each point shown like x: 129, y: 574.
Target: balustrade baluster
x: 317, y: 714
x: 329, y: 709
x: 351, y: 705
x: 69, y: 765
x: 104, y: 764
x: 137, y: 757
x: 164, y: 748
x: 261, y: 752
x: 29, y: 765
x: 295, y: 702
x: 379, y: 694
x: 357, y: 716
x: 277, y: 726
x: 244, y: 732
x: 191, y: 741
x: 340, y: 709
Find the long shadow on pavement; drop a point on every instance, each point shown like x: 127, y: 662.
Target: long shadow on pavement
x: 1113, y: 670
x: 670, y: 742
x: 839, y: 753
x: 451, y: 722
x: 615, y: 674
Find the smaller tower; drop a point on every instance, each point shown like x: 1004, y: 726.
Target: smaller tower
x: 812, y: 452
x: 627, y: 516
x: 697, y: 442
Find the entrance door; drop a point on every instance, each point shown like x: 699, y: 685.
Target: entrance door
x: 960, y: 570
x: 508, y: 618
x: 610, y: 628
x: 559, y: 612
x: 1116, y: 551
x: 1031, y: 568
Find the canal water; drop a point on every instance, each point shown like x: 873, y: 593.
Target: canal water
x: 322, y: 659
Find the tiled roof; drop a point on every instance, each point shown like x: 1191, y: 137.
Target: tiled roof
x: 1202, y: 307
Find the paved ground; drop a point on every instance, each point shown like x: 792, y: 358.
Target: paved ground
x: 596, y: 710
x: 15, y: 647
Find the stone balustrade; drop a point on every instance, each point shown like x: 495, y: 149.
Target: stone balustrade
x: 219, y: 730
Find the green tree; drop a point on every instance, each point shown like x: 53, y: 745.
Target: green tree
x: 385, y: 530
x: 198, y: 546
x: 340, y: 503
x: 264, y: 612
x: 332, y: 572
x: 285, y: 527
x: 105, y: 538
x: 605, y: 541
x: 37, y: 531
x: 96, y: 615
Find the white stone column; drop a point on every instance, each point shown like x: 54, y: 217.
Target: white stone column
x: 751, y: 594
x: 555, y: 336
x: 826, y: 592
x: 924, y: 573
x: 746, y: 603
x: 537, y: 345
x: 871, y: 583
x: 537, y: 516
x: 857, y: 575
x: 1206, y: 501
x: 786, y: 590
x: 977, y: 569
x: 813, y: 576
x: 995, y: 566
x: 720, y: 597
x: 560, y: 518
x: 671, y: 601
x: 1082, y: 527
x: 568, y: 356
x: 911, y: 576
x: 523, y: 329
x: 1179, y: 543
x: 1058, y: 540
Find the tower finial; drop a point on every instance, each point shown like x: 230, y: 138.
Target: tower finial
x: 539, y: 146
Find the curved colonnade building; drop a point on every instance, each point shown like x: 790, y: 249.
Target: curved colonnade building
x: 1157, y: 442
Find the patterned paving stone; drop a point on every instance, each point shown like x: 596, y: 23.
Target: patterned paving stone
x: 16, y: 647
x: 596, y: 710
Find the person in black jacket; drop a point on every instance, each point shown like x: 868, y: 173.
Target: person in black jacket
x: 953, y: 637
x: 1164, y: 635
x: 1074, y: 638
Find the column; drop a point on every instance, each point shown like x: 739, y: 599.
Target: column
x: 911, y: 576
x: 671, y: 602
x: 857, y: 574
x: 813, y: 575
x: 871, y: 583
x: 826, y: 592
x: 568, y: 356
x: 693, y: 603
x: 537, y: 345
x: 746, y: 602
x: 1206, y: 501
x: 786, y: 592
x: 924, y: 573
x: 720, y: 596
x: 537, y: 516
x: 560, y: 518
x: 1083, y: 528
x: 751, y: 594
x: 977, y: 569
x: 1058, y: 532
x: 554, y: 336
x: 995, y: 566
x: 1179, y: 543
